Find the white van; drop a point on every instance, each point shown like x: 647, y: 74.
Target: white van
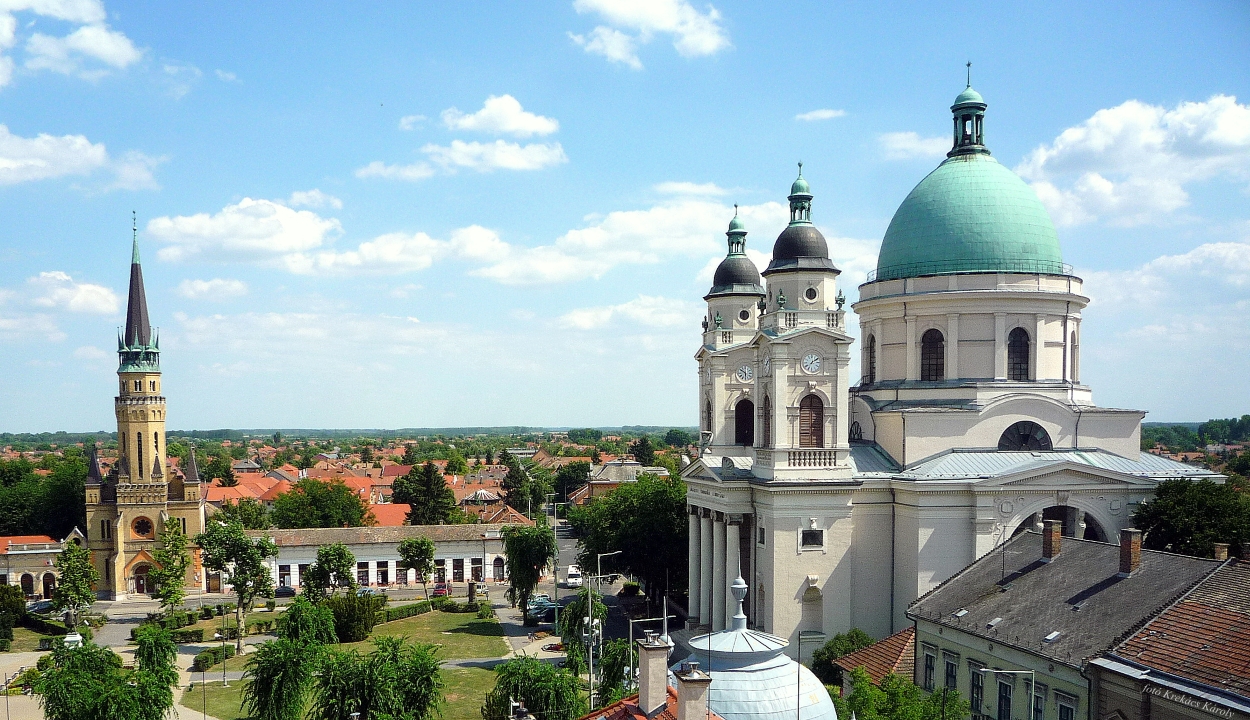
x: 573, y: 577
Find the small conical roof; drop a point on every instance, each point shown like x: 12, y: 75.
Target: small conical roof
x: 95, y: 475
x: 192, y: 471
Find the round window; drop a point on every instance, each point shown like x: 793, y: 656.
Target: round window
x: 142, y: 527
x: 810, y: 294
x: 744, y: 315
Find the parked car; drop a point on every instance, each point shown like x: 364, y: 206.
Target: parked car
x: 573, y: 577
x: 39, y: 606
x: 284, y: 591
x: 441, y: 590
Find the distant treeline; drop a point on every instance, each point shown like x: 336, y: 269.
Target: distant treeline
x: 1191, y: 437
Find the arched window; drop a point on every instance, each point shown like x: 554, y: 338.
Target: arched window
x: 744, y: 423
x: 766, y: 425
x: 1018, y: 355
x: 811, y: 422
x: 707, y: 416
x: 932, y: 355
x: 1025, y: 435
x: 1076, y: 359
x: 870, y: 360
x: 139, y: 447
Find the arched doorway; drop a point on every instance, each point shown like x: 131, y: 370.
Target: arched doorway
x: 811, y: 422
x: 497, y: 571
x: 1076, y: 523
x: 28, y: 584
x: 744, y: 423
x: 142, y: 583
x: 49, y: 585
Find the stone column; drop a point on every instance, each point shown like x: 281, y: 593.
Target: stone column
x: 1000, y: 346
x: 719, y: 584
x: 913, y: 362
x: 952, y: 347
x: 695, y: 561
x: 733, y: 562
x: 1037, y: 366
x: 705, y: 568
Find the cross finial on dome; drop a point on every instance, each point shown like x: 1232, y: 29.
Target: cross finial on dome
x: 969, y: 74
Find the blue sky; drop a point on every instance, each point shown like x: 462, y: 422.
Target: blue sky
x: 396, y: 216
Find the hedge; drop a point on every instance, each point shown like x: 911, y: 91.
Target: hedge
x: 260, y: 626
x: 355, y: 615
x: 451, y: 606
x: 210, y: 657
x: 188, y: 636
x: 406, y: 611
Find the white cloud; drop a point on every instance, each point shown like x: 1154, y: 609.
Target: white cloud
x: 48, y: 156
x: 689, y: 188
x: 215, y: 289
x: 612, y: 44
x: 23, y: 326
x: 694, y: 34
x: 499, y: 155
x: 377, y: 168
x: 57, y: 290
x: 314, y: 199
x: 66, y: 54
x: 410, y: 122
x: 180, y: 78
x: 91, y: 353
x: 822, y: 114
x: 645, y: 310
x: 225, y: 76
x: 403, y: 292
x: 250, y: 230
x: 1129, y: 164
x: 501, y: 115
x: 909, y: 145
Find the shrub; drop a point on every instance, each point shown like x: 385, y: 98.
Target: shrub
x: 485, y: 611
x: 6, y: 625
x: 630, y: 589
x: 189, y: 636
x: 5, y: 643
x: 354, y: 616
x: 271, y: 604
x: 260, y: 627
x: 210, y: 657
x: 405, y: 611
x: 206, y: 613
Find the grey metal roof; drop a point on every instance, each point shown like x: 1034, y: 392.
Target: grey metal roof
x: 958, y: 464
x: 1079, y: 594
x: 870, y: 458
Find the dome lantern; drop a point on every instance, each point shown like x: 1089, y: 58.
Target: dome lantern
x: 736, y: 274
x: 800, y: 201
x: 969, y: 118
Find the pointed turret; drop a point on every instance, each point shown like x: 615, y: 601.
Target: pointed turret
x: 192, y: 471
x: 94, y: 475
x: 138, y: 329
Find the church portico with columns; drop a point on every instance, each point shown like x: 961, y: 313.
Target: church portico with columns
x: 841, y: 500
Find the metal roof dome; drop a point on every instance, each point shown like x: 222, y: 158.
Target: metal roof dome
x: 752, y: 678
x: 800, y: 246
x: 970, y: 214
x: 736, y: 274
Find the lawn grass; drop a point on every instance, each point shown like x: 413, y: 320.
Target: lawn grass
x: 461, y: 635
x: 223, y: 703
x: 465, y: 691
x: 26, y: 640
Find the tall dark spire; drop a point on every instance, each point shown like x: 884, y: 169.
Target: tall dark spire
x: 138, y: 329
x: 94, y: 475
x: 191, y: 473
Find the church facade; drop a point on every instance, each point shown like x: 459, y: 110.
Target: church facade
x: 129, y: 509
x: 841, y: 500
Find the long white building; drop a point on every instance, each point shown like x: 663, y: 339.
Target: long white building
x: 844, y: 499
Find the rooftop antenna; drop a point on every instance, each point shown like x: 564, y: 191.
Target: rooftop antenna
x: 969, y: 73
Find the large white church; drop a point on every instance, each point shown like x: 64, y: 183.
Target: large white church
x: 841, y: 500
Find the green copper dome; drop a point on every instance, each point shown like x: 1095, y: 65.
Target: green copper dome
x: 800, y: 186
x: 969, y: 96
x: 971, y: 214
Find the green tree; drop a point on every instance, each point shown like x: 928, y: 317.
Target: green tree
x: 837, y: 646
x: 643, y: 451
x: 528, y: 551
x: 585, y: 436
x: 170, y: 571
x: 516, y: 484
x: 429, y: 500
x: 334, y: 568
x: 1190, y: 517
x: 316, y: 503
x: 546, y: 691
x: 410, y: 454
x: 75, y: 589
x: 228, y: 550
x: 397, y: 681
x: 417, y: 553
x: 611, y: 668
x: 277, y: 679
x: 569, y: 625
x: 678, y: 438
x: 248, y: 512
x: 219, y: 468
x: 897, y: 698
x: 89, y: 683
x: 646, y: 521
x: 455, y: 463
x: 306, y: 623
x: 570, y: 477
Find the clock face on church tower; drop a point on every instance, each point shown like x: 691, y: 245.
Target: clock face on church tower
x: 811, y: 363
x: 745, y: 374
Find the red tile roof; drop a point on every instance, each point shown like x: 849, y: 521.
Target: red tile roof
x: 1205, y: 637
x: 278, y: 488
x: 627, y: 709
x: 895, y: 654
x: 390, y: 514
x: 7, y: 540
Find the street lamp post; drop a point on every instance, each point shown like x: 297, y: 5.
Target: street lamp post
x: 1032, y: 684
x: 599, y: 577
x: 798, y: 669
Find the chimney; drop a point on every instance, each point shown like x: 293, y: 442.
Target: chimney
x: 1221, y: 551
x: 692, y: 685
x: 1052, y: 538
x: 1130, y: 551
x: 652, y: 674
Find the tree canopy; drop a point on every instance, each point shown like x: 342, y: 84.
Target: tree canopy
x: 317, y: 503
x: 248, y: 512
x: 53, y: 504
x: 229, y: 550
x: 646, y: 521
x: 334, y: 568
x: 529, y: 550
x: 897, y: 698
x: 89, y: 682
x: 643, y: 450
x: 170, y: 571
x: 417, y: 553
x: 547, y: 692
x: 399, y: 680
x: 678, y: 438
x: 75, y: 589
x: 429, y: 500
x: 837, y: 646
x: 570, y: 477
x: 1190, y: 517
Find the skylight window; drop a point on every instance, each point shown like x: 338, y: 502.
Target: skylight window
x: 959, y: 613
x: 1052, y: 637
x: 991, y: 624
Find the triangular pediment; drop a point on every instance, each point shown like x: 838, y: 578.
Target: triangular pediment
x: 1067, y: 474
x: 143, y: 556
